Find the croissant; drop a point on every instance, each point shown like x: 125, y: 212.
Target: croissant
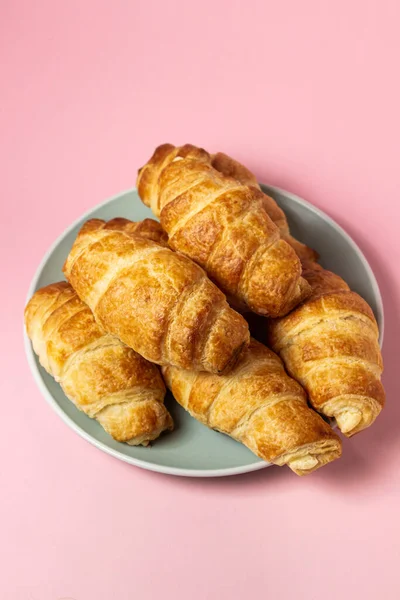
x: 330, y: 345
x: 156, y: 301
x: 258, y: 404
x: 104, y: 378
x: 230, y: 167
x: 220, y: 224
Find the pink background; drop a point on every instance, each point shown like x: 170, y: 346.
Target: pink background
x: 307, y: 94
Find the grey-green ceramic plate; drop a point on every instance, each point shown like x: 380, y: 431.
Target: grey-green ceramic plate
x: 192, y: 449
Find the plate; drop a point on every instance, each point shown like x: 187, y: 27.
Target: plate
x: 192, y: 449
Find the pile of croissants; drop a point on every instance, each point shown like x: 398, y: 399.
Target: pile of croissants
x: 179, y: 293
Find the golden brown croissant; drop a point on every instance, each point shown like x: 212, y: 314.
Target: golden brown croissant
x: 156, y: 301
x: 220, y: 224
x: 258, y: 404
x: 330, y: 345
x: 230, y: 167
x: 104, y: 378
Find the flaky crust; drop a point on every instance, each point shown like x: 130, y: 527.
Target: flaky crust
x: 330, y: 345
x: 148, y: 228
x: 156, y: 301
x: 220, y: 224
x: 258, y: 404
x: 101, y: 376
x: 232, y: 168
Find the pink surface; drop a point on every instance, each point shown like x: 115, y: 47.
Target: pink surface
x: 307, y: 94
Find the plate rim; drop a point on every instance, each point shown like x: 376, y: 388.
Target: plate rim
x: 176, y: 471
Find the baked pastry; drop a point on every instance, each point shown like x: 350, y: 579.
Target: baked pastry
x: 220, y: 224
x: 156, y: 301
x: 104, y: 378
x: 258, y: 404
x: 330, y: 345
x: 148, y: 228
x: 230, y: 167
